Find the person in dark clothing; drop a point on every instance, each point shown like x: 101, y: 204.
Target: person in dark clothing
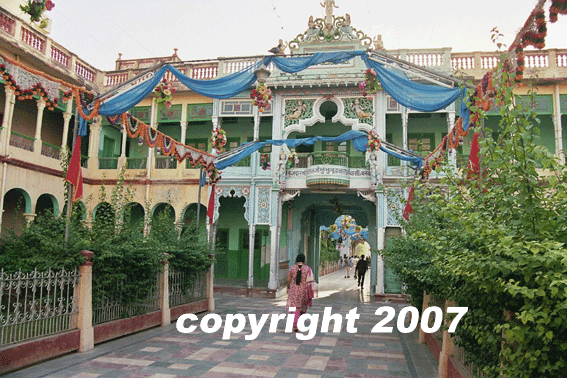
x: 361, y: 268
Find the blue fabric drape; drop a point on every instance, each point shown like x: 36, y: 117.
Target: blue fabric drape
x: 359, y: 139
x: 416, y: 96
x: 426, y: 98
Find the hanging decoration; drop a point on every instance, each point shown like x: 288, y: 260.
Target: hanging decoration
x: 261, y: 97
x: 35, y: 8
x: 373, y: 141
x: 164, y: 93
x: 218, y: 139
x: 265, y: 161
x: 557, y: 7
x: 371, y: 84
x: 170, y: 147
x: 292, y: 159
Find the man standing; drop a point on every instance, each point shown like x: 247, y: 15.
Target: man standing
x: 361, y: 267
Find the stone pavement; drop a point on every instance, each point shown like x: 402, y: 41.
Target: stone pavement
x: 166, y: 353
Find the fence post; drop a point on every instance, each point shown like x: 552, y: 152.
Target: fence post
x: 164, y: 294
x: 447, y: 347
x: 85, y: 315
x: 210, y: 284
x: 426, y: 299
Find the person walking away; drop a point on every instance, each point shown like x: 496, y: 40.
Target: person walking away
x: 301, y: 288
x: 350, y: 264
x: 345, y: 263
x: 361, y: 268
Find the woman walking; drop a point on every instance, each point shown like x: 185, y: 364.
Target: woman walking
x: 345, y: 263
x: 301, y: 288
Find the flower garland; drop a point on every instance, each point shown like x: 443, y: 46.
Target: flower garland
x: 261, y: 97
x: 27, y: 94
x: 164, y: 93
x: 292, y: 159
x: 265, y: 161
x: 371, y: 84
x: 169, y: 147
x: 35, y: 8
x: 218, y: 138
x: 373, y: 141
x: 557, y: 7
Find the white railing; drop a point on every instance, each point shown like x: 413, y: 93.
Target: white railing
x: 32, y: 39
x: 114, y: 79
x: 7, y: 23
x: 60, y: 57
x: 36, y: 304
x: 205, y: 73
x: 84, y: 72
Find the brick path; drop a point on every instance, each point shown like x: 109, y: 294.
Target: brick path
x: 166, y: 353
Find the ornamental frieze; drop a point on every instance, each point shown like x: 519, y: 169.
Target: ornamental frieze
x: 298, y: 109
x: 360, y: 108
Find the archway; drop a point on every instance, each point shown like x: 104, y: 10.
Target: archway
x: 134, y: 215
x: 17, y: 202
x: 47, y: 205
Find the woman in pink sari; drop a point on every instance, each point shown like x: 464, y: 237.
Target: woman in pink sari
x: 301, y: 288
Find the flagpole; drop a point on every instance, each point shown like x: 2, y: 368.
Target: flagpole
x: 69, y: 188
x: 199, y: 197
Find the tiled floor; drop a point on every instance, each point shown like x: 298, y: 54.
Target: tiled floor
x: 166, y: 353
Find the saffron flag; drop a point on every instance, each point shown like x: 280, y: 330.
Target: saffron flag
x: 408, y: 209
x: 211, y: 207
x: 474, y: 166
x: 74, y: 173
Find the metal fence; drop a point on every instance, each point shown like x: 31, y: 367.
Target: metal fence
x: 113, y: 309
x: 186, y: 287
x: 459, y: 359
x: 36, y: 304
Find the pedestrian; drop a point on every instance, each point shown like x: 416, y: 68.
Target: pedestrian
x: 301, y: 288
x: 361, y: 267
x: 345, y: 263
x: 354, y: 264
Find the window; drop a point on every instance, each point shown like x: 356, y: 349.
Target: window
x: 200, y: 144
x: 421, y: 143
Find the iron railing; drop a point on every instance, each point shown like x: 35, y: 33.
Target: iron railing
x: 186, y: 287
x: 36, y: 304
x: 107, y: 310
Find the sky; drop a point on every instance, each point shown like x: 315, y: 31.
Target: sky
x: 97, y: 30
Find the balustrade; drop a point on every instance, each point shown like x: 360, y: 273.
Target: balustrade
x: 136, y: 163
x: 32, y: 39
x: 7, y: 23
x: 166, y: 162
x: 84, y: 72
x: 59, y: 56
x: 115, y: 79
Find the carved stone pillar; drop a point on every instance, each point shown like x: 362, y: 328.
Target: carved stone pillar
x: 7, y: 121
x: 66, y: 121
x: 452, y: 152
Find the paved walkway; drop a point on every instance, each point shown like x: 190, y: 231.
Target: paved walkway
x: 165, y: 353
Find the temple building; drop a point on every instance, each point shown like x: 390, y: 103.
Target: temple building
x: 280, y: 200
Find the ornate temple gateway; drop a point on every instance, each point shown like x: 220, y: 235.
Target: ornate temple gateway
x: 315, y: 142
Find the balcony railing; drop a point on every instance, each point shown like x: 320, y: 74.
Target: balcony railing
x: 21, y: 141
x: 50, y: 151
x: 136, y: 163
x: 107, y: 163
x: 166, y: 162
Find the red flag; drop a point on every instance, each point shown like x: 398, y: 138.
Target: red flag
x: 211, y: 207
x: 74, y: 173
x: 474, y: 166
x: 408, y: 209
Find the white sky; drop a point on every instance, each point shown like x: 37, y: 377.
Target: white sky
x: 97, y: 30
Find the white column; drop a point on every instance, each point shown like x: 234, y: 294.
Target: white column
x: 38, y: 123
x: 66, y: 121
x: 405, y: 117
x: 273, y: 282
x: 183, y: 131
x: 252, y: 232
x: 380, y: 230
x: 94, y: 142
x: 452, y: 152
x: 7, y: 120
x: 153, y: 123
x: 559, y: 152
